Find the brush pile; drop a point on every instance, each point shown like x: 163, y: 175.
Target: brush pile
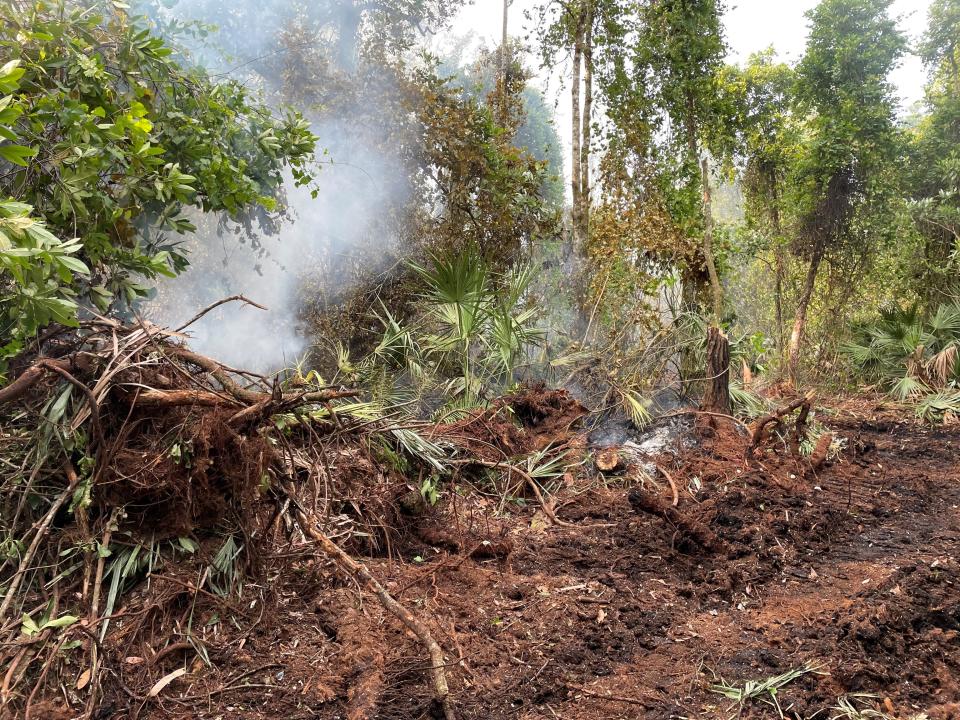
x: 141, y: 479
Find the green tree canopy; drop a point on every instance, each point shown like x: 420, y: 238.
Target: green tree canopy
x: 110, y: 140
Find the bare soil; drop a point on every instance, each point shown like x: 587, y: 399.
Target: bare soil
x: 614, y: 614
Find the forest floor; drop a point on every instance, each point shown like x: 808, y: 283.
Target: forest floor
x: 850, y: 574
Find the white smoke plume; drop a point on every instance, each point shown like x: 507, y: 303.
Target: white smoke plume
x: 356, y: 190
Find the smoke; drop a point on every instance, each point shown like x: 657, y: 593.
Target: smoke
x: 355, y: 75
x: 329, y: 235
x: 285, y: 267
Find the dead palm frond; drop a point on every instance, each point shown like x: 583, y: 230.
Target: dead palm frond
x: 943, y: 366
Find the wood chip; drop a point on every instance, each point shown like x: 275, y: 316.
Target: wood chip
x: 166, y: 680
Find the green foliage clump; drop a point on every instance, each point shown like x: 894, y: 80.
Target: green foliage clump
x: 912, y: 355
x: 472, y: 329
x: 111, y: 140
x: 37, y: 271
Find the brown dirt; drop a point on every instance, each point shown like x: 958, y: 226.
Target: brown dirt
x: 852, y: 567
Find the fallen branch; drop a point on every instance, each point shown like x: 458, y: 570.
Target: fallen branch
x: 33, y: 374
x: 175, y: 398
x: 252, y: 397
x: 359, y: 571
x: 643, y: 501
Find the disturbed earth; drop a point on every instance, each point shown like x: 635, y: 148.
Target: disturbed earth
x: 846, y: 578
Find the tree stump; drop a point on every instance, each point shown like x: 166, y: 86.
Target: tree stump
x: 716, y: 398
x: 608, y: 461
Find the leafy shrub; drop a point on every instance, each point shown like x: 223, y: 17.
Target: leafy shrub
x: 110, y: 139
x: 908, y: 353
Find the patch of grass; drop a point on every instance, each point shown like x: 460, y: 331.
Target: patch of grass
x: 847, y: 708
x: 762, y: 690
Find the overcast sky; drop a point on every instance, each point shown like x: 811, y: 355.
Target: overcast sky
x: 751, y: 25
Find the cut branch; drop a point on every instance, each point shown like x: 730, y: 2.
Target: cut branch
x: 359, y: 571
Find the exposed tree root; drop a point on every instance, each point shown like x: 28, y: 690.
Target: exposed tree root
x: 673, y: 484
x: 643, y: 501
x: 821, y: 451
x: 759, y: 428
x: 359, y: 571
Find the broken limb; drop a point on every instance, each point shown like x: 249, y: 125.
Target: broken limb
x: 359, y: 571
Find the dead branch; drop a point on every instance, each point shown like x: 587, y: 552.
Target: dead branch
x: 643, y: 501
x: 33, y: 374
x: 252, y: 397
x: 760, y: 425
x: 241, y: 298
x: 359, y: 571
x: 176, y: 398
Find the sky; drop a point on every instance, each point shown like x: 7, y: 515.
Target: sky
x: 751, y: 26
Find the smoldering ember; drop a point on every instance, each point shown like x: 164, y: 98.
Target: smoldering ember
x: 490, y: 360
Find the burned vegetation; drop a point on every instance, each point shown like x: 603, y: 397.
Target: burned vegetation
x: 677, y: 439
x: 223, y: 545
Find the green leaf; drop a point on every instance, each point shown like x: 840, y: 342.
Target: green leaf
x: 73, y: 264
x: 27, y: 626
x: 187, y: 544
x: 17, y: 154
x: 61, y: 622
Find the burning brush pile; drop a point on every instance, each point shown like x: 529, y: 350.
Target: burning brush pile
x: 139, y: 476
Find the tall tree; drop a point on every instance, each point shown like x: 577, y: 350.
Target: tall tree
x: 765, y: 147
x: 843, y: 87
x: 935, y: 176
x: 684, y: 47
x: 571, y: 28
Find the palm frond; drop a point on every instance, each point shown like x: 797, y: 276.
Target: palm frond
x: 745, y: 401
x: 637, y: 407
x: 934, y: 407
x: 907, y: 387
x: 943, y: 366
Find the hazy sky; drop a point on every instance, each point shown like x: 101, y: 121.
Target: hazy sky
x: 751, y: 25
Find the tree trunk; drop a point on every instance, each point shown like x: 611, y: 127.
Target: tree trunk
x: 504, y: 66
x: 780, y: 272
x: 575, y: 179
x: 586, y: 126
x: 715, y: 286
x: 780, y: 264
x: 716, y: 398
x: 695, y: 294
x: 800, y: 320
